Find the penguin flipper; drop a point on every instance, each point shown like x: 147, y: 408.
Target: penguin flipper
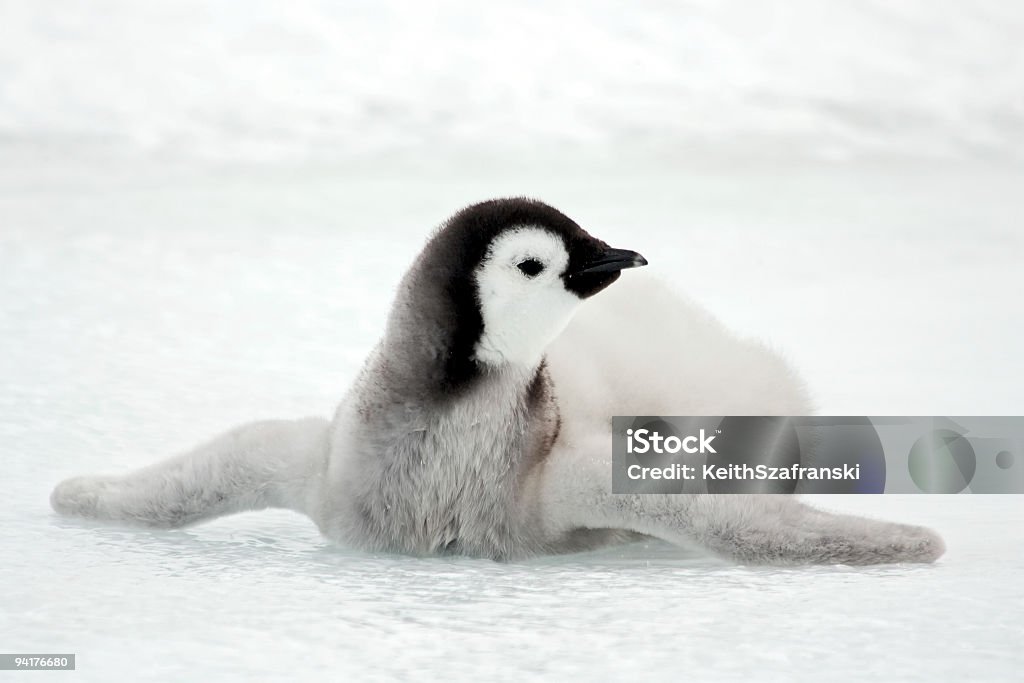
x: 264, y: 464
x: 748, y: 529
x: 781, y: 530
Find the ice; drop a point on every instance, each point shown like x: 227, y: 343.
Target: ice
x: 144, y: 311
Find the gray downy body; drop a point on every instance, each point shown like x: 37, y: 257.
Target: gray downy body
x: 419, y: 466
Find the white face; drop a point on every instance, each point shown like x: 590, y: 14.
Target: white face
x: 523, y: 300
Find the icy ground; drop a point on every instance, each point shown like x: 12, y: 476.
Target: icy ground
x: 145, y: 308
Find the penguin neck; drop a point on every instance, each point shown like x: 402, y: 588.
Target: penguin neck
x: 435, y: 345
x: 435, y: 373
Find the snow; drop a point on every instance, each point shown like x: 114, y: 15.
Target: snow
x: 205, y: 208
x: 144, y: 311
x: 262, y: 597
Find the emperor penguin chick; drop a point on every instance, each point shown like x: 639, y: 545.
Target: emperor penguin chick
x: 480, y: 423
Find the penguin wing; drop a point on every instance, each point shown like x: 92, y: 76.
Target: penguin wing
x: 639, y: 348
x: 575, y: 492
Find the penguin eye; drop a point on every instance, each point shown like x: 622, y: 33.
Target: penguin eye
x: 531, y: 267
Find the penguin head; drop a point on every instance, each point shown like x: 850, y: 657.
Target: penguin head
x: 530, y: 281
x: 505, y: 277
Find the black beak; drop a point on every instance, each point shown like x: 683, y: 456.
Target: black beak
x: 613, y: 260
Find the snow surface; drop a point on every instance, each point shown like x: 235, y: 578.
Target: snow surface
x: 205, y: 207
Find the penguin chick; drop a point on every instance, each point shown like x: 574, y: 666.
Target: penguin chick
x: 479, y: 425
